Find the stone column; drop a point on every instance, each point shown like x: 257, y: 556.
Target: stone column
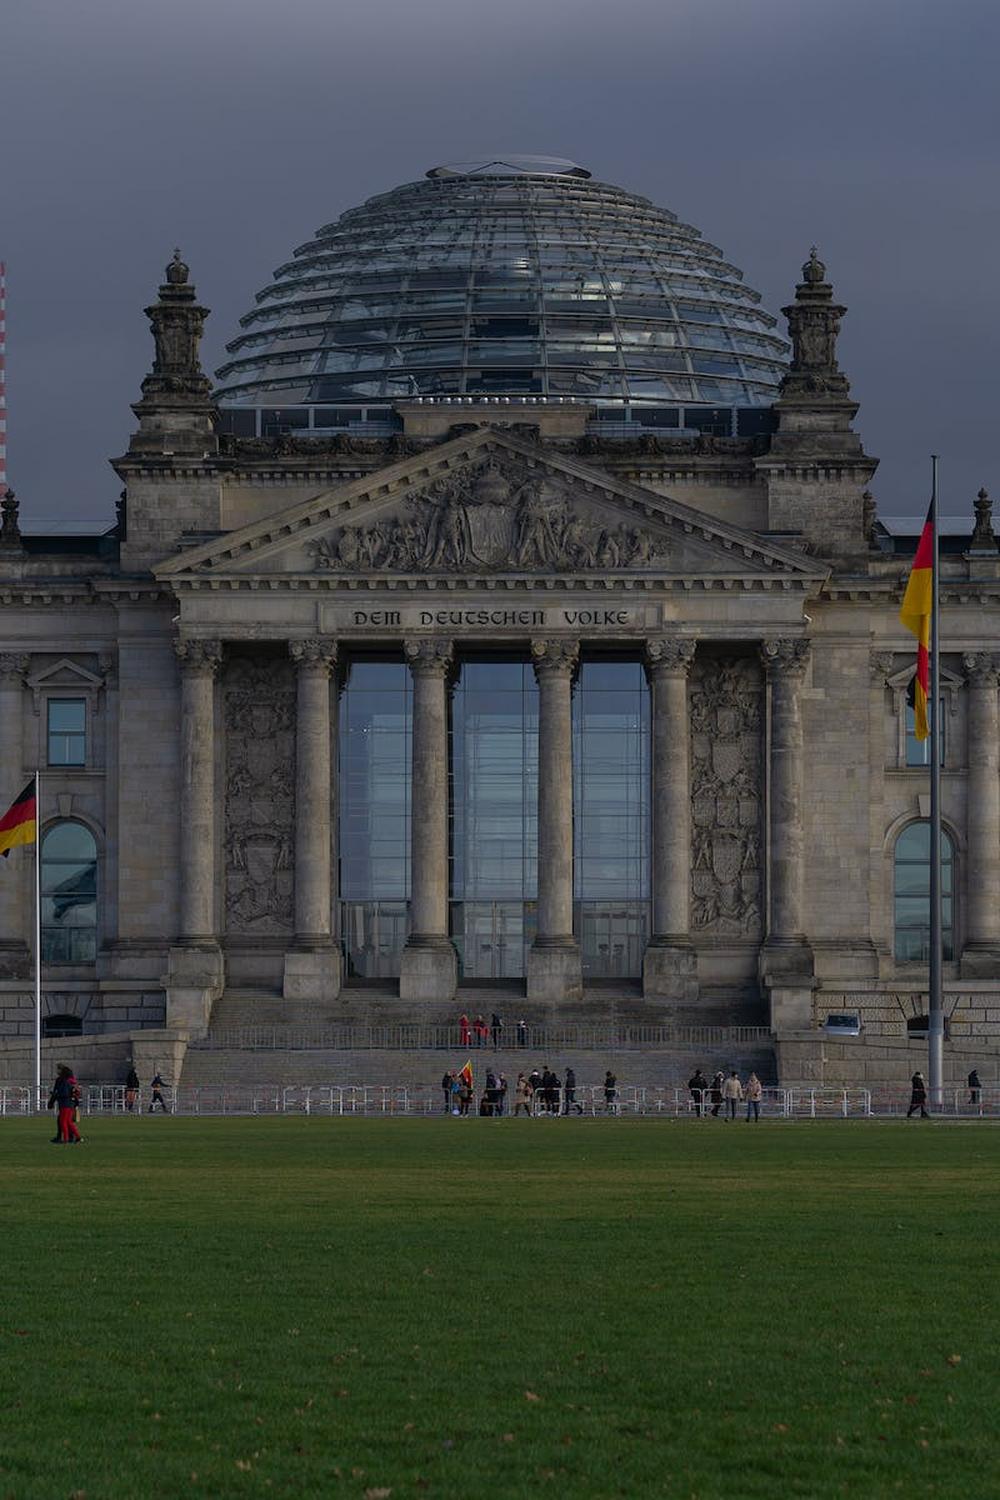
x: 196, y: 976
x: 669, y: 969
x: 312, y: 966
x: 554, y: 970
x: 429, y: 968
x: 981, y: 953
x: 786, y: 950
x: 18, y: 871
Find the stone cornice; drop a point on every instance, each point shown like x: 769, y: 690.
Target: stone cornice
x: 403, y: 584
x: 414, y: 473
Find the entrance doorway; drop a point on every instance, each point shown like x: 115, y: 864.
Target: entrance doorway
x: 612, y: 937
x: 492, y: 937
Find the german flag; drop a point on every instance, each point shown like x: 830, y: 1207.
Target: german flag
x: 17, y: 826
x: 915, y: 614
x: 466, y: 1074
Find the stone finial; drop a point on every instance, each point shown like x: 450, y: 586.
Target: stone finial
x: 10, y: 529
x: 814, y: 270
x: 983, y: 534
x: 177, y: 322
x: 177, y: 272
x: 869, y: 515
x: 814, y: 322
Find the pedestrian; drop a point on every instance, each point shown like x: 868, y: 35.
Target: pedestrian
x: 522, y: 1096
x: 482, y: 1031
x: 522, y: 1033
x: 446, y: 1090
x: 131, y: 1089
x: 157, y: 1087
x: 715, y: 1095
x: 610, y: 1093
x: 464, y: 1030
x: 569, y: 1094
x: 464, y: 1097
x: 496, y: 1027
x: 535, y: 1084
x: 502, y: 1094
x: 918, y: 1096
x: 732, y: 1093
x: 975, y: 1089
x: 755, y: 1093
x: 456, y: 1094
x: 697, y: 1084
x: 64, y: 1098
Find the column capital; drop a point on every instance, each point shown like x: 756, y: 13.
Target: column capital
x: 198, y: 656
x: 880, y: 665
x: 982, y: 668
x: 557, y: 655
x: 669, y: 655
x: 785, y: 655
x: 317, y: 652
x: 13, y: 665
x: 429, y: 655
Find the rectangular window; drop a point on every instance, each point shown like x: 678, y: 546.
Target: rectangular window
x: 67, y: 732
x: 918, y: 752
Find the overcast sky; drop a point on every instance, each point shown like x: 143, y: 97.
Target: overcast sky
x: 234, y: 128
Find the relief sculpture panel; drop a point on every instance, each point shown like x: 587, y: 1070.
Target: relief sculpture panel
x: 496, y: 516
x: 726, y: 703
x: 259, y: 698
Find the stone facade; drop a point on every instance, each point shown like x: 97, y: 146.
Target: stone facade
x: 208, y: 639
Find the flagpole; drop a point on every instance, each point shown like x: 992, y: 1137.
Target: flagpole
x: 38, y: 940
x: 935, y: 1010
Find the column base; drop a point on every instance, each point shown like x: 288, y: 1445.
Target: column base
x: 428, y: 969
x: 555, y: 973
x: 670, y: 971
x: 980, y: 962
x: 195, y: 978
x: 312, y: 974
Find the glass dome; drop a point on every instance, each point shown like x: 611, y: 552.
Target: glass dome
x: 506, y: 277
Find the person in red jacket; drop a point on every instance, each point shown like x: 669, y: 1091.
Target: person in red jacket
x: 65, y: 1097
x: 464, y: 1030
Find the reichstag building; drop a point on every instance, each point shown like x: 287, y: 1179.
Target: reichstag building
x: 514, y: 607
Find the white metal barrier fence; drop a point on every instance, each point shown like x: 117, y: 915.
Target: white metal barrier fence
x: 793, y: 1102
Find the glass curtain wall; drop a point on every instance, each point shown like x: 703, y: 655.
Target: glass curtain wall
x: 611, y: 748
x: 494, y: 817
x: 375, y: 732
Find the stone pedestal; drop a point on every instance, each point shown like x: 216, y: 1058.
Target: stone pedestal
x: 313, y: 966
x: 669, y: 964
x: 981, y: 954
x: 196, y: 973
x: 786, y: 952
x: 555, y: 973
x: 429, y: 965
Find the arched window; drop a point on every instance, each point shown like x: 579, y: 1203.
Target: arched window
x: 912, y: 877
x: 69, y: 895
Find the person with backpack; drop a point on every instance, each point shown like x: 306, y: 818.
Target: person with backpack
x: 65, y: 1097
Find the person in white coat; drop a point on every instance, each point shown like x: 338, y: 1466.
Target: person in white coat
x: 732, y: 1093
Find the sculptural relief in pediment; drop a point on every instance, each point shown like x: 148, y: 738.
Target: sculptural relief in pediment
x: 495, y: 516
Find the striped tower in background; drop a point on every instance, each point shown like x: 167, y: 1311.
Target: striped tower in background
x: 3, y: 380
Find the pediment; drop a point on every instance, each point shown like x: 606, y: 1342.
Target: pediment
x: 485, y: 505
x: 65, y: 673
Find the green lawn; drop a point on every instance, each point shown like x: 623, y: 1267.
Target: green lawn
x: 519, y: 1308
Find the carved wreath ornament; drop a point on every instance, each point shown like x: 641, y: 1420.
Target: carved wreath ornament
x: 494, y: 517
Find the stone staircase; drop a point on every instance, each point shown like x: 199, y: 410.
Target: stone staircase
x: 369, y: 1036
